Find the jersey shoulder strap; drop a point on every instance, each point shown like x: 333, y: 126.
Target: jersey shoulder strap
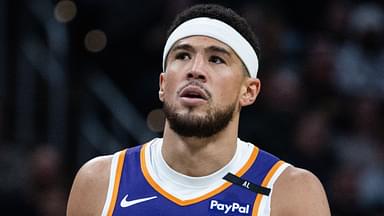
x: 267, y: 169
x: 117, y: 168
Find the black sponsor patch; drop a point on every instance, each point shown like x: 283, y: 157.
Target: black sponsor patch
x: 247, y: 184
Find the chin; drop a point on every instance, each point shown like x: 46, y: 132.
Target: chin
x: 198, y: 121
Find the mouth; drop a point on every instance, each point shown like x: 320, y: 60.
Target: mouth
x: 193, y: 96
x: 193, y: 92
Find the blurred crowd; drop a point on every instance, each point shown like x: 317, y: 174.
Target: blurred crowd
x: 326, y: 93
x: 321, y: 105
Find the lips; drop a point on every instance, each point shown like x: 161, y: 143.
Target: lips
x: 193, y: 92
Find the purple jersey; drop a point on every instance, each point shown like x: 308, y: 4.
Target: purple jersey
x: 134, y: 191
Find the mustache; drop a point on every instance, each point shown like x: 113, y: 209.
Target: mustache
x: 195, y: 83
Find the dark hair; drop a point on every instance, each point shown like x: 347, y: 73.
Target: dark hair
x: 221, y: 13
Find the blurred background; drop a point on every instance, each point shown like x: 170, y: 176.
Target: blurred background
x: 79, y: 79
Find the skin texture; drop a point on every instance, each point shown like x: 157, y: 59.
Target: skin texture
x: 221, y: 74
x: 221, y: 78
x: 89, y: 188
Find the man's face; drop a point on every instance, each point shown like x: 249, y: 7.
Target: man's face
x: 201, y: 87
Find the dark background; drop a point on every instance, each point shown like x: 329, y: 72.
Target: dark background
x: 79, y: 79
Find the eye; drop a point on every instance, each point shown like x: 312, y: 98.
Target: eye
x: 182, y: 56
x: 216, y: 60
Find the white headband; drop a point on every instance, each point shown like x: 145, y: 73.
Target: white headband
x: 219, y: 30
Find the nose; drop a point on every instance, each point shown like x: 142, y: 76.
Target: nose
x: 198, y: 69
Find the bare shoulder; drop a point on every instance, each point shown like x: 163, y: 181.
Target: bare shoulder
x: 90, y: 187
x: 299, y: 192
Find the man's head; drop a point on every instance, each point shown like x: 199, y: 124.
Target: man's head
x: 219, y: 25
x: 210, y: 66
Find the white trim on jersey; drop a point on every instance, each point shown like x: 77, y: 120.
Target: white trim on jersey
x: 185, y: 187
x: 265, y: 204
x: 111, y: 184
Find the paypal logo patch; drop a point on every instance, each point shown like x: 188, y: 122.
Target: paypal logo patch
x: 229, y: 208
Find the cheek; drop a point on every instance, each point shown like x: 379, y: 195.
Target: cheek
x: 176, y: 66
x: 228, y: 93
x: 170, y: 87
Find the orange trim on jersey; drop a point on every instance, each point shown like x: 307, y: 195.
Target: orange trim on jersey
x: 180, y: 202
x: 119, y: 169
x: 265, y: 183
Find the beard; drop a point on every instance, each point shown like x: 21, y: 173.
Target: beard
x: 191, y: 125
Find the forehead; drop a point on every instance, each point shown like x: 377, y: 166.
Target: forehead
x: 203, y: 42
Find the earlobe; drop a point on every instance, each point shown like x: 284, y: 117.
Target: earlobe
x: 161, y: 87
x: 161, y: 95
x: 251, y: 90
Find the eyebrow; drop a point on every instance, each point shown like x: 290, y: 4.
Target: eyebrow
x: 183, y: 47
x: 218, y: 49
x: 210, y: 48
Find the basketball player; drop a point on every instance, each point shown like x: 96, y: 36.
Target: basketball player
x: 200, y: 166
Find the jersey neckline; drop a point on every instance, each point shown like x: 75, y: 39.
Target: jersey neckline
x: 147, y: 170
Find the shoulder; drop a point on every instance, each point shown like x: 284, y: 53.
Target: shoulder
x: 298, y: 192
x: 90, y: 187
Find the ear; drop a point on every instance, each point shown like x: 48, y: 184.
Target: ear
x: 161, y: 86
x: 250, y: 90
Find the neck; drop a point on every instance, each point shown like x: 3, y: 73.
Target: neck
x: 199, y: 156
